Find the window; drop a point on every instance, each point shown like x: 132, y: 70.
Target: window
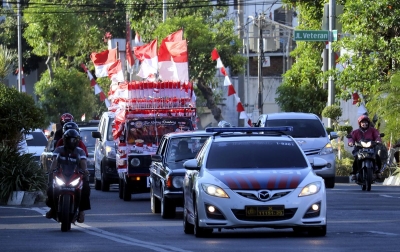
x: 87, y: 139
x: 184, y: 148
x: 36, y: 139
x: 255, y: 154
x: 311, y: 128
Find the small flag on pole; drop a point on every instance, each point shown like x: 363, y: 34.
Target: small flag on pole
x: 83, y: 118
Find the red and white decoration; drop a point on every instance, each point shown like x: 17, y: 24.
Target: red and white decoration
x: 23, y: 87
x: 231, y: 90
x: 97, y: 88
x: 147, y: 55
x: 103, y: 60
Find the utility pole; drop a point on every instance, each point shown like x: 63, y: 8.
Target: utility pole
x: 331, y: 62
x: 241, y: 84
x: 164, y: 10
x: 260, y: 58
x: 19, y: 45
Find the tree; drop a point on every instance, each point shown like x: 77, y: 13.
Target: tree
x: 205, y: 28
x: 7, y: 62
x: 69, y: 92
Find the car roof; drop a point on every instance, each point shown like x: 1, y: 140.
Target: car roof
x: 88, y: 128
x: 188, y: 133
x: 290, y: 115
x: 252, y: 133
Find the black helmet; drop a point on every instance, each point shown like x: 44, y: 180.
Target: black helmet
x: 70, y: 125
x: 71, y: 139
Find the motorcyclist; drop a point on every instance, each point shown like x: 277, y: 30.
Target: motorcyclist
x: 66, y: 117
x: 365, y: 131
x: 72, y: 125
x: 63, y: 155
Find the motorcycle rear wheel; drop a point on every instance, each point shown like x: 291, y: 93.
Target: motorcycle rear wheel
x: 64, y: 215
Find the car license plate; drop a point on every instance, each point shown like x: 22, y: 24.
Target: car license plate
x: 265, y: 210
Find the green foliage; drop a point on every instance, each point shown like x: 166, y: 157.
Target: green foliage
x: 69, y: 91
x: 19, y: 172
x: 333, y: 112
x: 18, y: 111
x: 345, y: 128
x: 344, y: 166
x: 329, y: 129
x: 8, y: 59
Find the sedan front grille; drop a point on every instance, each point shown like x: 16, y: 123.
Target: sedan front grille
x: 240, y: 214
x: 145, y: 162
x: 311, y: 152
x: 276, y: 194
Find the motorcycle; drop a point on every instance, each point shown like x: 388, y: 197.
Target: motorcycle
x: 367, y: 156
x: 67, y: 188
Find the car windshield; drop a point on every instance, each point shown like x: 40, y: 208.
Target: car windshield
x: 255, y: 154
x: 87, y: 139
x: 36, y: 139
x: 311, y: 128
x: 184, y: 148
x: 150, y: 131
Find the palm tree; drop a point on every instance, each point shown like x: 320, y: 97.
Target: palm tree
x: 7, y: 62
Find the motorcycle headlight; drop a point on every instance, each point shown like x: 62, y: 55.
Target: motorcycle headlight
x: 75, y: 182
x: 328, y: 149
x: 310, y: 189
x: 59, y: 181
x: 366, y: 144
x: 110, y: 152
x: 214, y: 190
x: 177, y: 181
x: 135, y: 162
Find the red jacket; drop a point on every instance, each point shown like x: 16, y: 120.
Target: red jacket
x: 81, y: 145
x: 370, y: 134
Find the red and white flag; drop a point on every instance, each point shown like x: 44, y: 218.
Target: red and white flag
x: 167, y: 70
x: 147, y: 55
x: 138, y: 40
x: 179, y: 55
x: 83, y: 117
x: 103, y: 60
x: 115, y: 72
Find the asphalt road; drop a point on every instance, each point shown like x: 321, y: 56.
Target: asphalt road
x: 357, y: 221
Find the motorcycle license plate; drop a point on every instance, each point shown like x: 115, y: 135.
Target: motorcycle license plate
x: 368, y: 150
x: 68, y: 189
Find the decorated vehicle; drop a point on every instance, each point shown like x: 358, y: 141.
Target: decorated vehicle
x: 144, y: 112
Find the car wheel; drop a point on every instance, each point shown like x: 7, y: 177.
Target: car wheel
x: 330, y: 182
x: 97, y: 184
x: 188, y: 228
x: 167, y: 208
x: 120, y: 188
x: 126, y: 191
x: 317, y: 231
x: 154, y: 202
x: 199, y: 231
x: 105, y: 186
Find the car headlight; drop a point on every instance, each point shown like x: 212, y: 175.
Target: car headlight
x: 135, y: 162
x: 214, y: 190
x: 59, y: 181
x: 328, y: 149
x: 110, y: 152
x: 310, y: 189
x: 75, y: 182
x: 177, y: 181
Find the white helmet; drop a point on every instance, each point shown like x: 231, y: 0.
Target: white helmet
x: 224, y: 124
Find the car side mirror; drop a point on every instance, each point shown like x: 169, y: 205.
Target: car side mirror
x: 333, y: 135
x: 382, y: 134
x: 96, y: 134
x: 191, y: 165
x: 318, y: 163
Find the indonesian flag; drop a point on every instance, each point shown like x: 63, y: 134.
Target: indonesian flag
x: 138, y: 41
x: 115, y: 72
x: 147, y: 55
x: 83, y: 117
x: 180, y: 63
x: 103, y: 60
x: 129, y: 57
x: 167, y: 69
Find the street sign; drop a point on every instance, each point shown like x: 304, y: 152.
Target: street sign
x: 266, y: 62
x: 334, y: 35
x: 300, y: 35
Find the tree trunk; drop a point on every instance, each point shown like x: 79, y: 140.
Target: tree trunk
x: 48, y: 64
x: 209, y: 96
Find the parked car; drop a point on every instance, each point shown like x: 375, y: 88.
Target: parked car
x: 105, y: 171
x: 36, y: 142
x: 90, y: 142
x: 310, y: 133
x: 251, y: 181
x: 167, y: 172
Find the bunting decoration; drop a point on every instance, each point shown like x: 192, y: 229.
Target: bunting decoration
x: 231, y: 89
x: 97, y: 88
x: 23, y: 88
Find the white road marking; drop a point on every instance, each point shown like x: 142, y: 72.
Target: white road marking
x: 111, y: 236
x: 383, y: 233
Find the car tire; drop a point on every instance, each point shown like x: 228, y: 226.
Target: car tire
x: 199, y: 231
x: 155, y: 203
x: 97, y: 184
x: 126, y: 191
x: 120, y: 188
x: 105, y: 186
x: 317, y: 231
x: 188, y: 228
x: 330, y: 182
x: 168, y: 209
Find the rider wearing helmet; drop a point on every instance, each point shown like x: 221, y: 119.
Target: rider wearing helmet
x: 66, y: 117
x: 365, y: 131
x: 68, y: 126
x: 64, y: 155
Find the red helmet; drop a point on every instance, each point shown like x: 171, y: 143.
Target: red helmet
x: 66, y: 117
x: 363, y: 118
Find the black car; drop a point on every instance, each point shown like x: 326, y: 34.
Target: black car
x: 167, y: 172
